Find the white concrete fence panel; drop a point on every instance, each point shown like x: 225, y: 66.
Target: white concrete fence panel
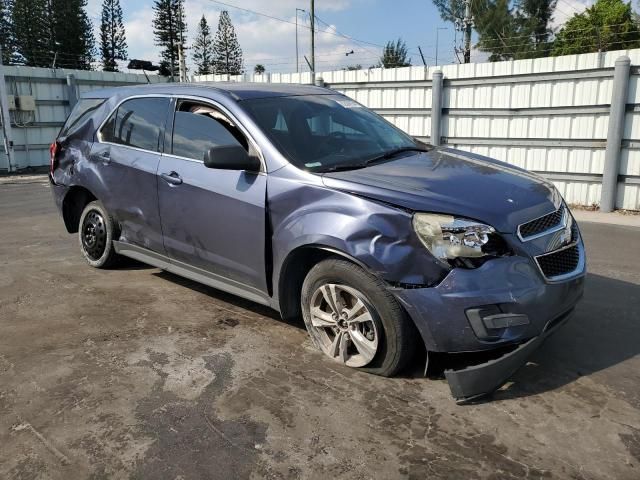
x: 55, y: 92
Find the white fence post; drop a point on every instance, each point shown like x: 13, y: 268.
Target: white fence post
x: 436, y: 107
x: 72, y: 89
x: 5, y: 118
x: 614, y: 134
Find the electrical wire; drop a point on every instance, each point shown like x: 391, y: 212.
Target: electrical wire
x: 279, y: 19
x: 571, y: 6
x: 345, y: 36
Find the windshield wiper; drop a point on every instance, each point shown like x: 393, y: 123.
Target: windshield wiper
x: 385, y: 156
x: 393, y: 153
x: 341, y: 168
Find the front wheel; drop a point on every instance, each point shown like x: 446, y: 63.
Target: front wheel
x: 96, y: 233
x: 353, y: 319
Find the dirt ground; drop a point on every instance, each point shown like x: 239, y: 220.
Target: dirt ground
x: 135, y: 373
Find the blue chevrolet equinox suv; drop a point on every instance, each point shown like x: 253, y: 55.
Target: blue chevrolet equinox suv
x: 302, y: 199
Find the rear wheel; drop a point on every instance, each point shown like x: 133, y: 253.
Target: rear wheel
x: 353, y: 319
x: 96, y: 233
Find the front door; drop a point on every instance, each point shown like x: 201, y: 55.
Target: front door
x: 212, y: 219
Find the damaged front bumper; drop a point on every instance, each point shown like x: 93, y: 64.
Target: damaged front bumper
x: 503, y: 306
x: 470, y: 383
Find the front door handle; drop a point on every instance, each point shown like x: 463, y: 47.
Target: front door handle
x: 173, y: 178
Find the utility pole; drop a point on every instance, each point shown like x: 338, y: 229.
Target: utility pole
x: 437, y: 35
x: 6, y: 119
x: 182, y: 64
x: 467, y: 23
x: 172, y: 52
x: 313, y: 43
x: 297, y: 60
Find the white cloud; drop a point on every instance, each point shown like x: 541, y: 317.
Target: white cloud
x: 263, y: 40
x: 94, y: 7
x: 139, y: 33
x: 565, y: 9
x: 272, y: 42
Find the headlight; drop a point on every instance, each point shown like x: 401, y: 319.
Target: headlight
x: 449, y: 238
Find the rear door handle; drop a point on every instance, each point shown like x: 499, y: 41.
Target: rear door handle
x: 173, y: 178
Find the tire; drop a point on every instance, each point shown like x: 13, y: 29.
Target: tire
x: 336, y: 285
x: 96, y: 233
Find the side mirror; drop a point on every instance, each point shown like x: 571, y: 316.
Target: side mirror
x: 231, y: 157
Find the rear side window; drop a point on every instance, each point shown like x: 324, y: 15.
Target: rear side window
x: 195, y: 133
x: 80, y: 114
x: 137, y: 123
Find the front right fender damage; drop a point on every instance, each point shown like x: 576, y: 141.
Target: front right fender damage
x: 309, y: 221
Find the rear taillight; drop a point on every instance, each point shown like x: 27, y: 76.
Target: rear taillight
x: 54, y: 148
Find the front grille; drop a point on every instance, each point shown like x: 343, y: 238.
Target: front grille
x: 542, y: 224
x: 560, y: 262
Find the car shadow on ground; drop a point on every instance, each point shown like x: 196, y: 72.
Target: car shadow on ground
x: 126, y: 263
x: 234, y: 300
x: 603, y: 332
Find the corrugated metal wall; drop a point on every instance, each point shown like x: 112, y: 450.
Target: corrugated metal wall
x: 33, y: 132
x: 548, y: 115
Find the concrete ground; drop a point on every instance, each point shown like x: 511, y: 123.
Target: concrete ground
x: 135, y: 373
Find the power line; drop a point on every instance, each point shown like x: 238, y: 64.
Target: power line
x: 570, y: 6
x: 279, y: 19
x: 343, y: 35
x: 568, y: 15
x: 591, y: 28
x: 510, y: 49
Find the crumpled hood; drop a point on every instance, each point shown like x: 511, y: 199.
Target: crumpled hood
x: 454, y: 182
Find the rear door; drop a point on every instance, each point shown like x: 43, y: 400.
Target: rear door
x: 127, y: 156
x: 213, y: 220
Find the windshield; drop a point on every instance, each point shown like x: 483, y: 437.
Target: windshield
x: 326, y: 132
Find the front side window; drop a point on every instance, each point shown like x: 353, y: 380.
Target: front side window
x: 197, y: 128
x: 137, y: 123
x: 325, y: 132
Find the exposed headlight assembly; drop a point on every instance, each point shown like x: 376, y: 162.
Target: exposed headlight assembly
x: 457, y: 241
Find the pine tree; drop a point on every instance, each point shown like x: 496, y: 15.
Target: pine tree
x: 71, y: 36
x: 203, y: 49
x: 53, y: 31
x: 227, y: 56
x: 31, y: 32
x: 113, y: 44
x: 7, y: 40
x: 170, y: 29
x: 537, y: 17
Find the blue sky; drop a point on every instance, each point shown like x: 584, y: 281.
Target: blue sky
x: 272, y: 42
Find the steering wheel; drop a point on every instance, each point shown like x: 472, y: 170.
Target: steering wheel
x: 336, y: 138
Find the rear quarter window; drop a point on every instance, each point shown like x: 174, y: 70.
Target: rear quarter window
x: 80, y: 114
